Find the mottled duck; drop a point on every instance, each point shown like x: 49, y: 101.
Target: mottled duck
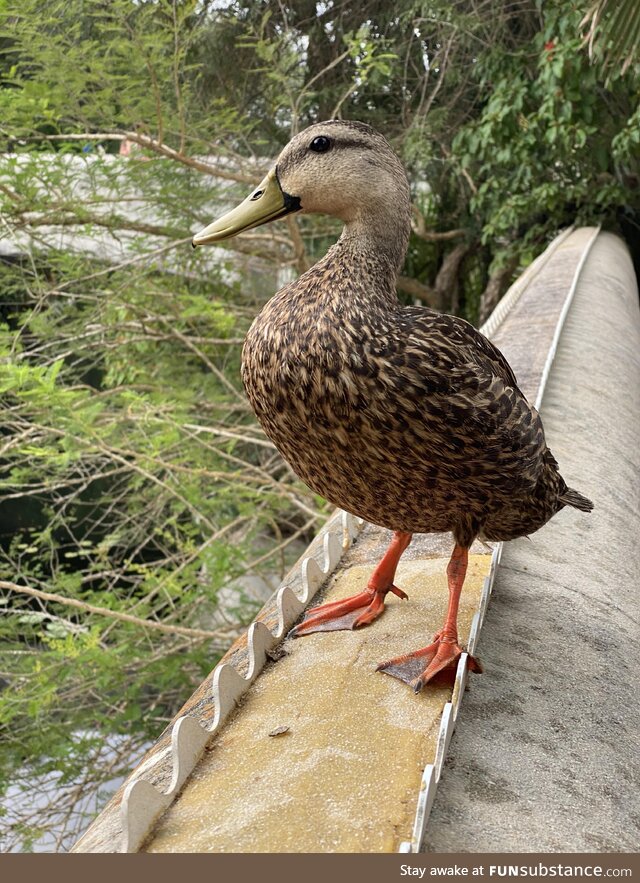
x: 410, y: 419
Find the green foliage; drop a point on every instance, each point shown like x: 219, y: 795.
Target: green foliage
x: 135, y: 482
x: 552, y: 145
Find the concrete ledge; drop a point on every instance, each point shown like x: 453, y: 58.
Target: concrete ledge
x: 345, y: 774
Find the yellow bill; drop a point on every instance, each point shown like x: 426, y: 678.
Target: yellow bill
x: 267, y: 203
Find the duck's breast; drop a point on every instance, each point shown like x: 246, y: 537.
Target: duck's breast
x: 376, y: 427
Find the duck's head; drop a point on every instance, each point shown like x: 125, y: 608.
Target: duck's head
x: 339, y: 168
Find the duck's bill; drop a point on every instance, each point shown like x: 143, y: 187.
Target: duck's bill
x: 268, y: 202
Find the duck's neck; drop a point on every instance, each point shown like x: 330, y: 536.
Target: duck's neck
x: 385, y: 235
x: 369, y: 250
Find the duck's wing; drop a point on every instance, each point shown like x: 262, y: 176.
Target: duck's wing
x: 474, y: 388
x: 453, y: 332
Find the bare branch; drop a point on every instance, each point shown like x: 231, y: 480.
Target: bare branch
x: 419, y: 227
x: 302, y: 262
x: 156, y: 147
x: 496, y: 287
x: 200, y: 634
x: 418, y: 289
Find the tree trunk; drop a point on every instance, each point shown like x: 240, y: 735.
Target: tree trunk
x: 447, y: 278
x: 443, y: 295
x: 496, y: 287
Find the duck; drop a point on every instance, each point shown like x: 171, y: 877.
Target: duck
x: 406, y: 417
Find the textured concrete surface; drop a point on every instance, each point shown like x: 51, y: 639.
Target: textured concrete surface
x: 546, y: 752
x: 344, y: 775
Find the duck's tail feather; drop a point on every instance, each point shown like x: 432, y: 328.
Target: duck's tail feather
x: 575, y: 499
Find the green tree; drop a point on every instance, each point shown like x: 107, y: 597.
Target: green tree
x: 137, y: 491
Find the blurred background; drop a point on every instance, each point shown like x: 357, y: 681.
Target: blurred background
x: 144, y: 517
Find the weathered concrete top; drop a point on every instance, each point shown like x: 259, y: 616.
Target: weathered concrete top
x: 345, y: 773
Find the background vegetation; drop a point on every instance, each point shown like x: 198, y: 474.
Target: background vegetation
x: 140, y: 503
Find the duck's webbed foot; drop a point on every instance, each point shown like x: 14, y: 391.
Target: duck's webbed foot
x: 418, y: 668
x: 363, y: 608
x: 351, y: 613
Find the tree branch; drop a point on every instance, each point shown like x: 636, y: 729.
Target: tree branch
x: 418, y: 289
x: 447, y: 278
x: 496, y: 287
x: 302, y: 262
x: 419, y: 227
x: 156, y: 147
x: 115, y: 614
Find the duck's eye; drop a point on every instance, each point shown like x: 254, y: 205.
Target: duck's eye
x: 320, y: 144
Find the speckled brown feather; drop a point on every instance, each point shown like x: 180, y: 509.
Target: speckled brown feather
x: 408, y: 418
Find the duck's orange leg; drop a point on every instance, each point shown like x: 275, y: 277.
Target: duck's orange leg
x: 417, y: 668
x: 363, y: 608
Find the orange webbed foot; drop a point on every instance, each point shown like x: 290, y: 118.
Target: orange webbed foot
x: 418, y: 668
x: 350, y: 613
